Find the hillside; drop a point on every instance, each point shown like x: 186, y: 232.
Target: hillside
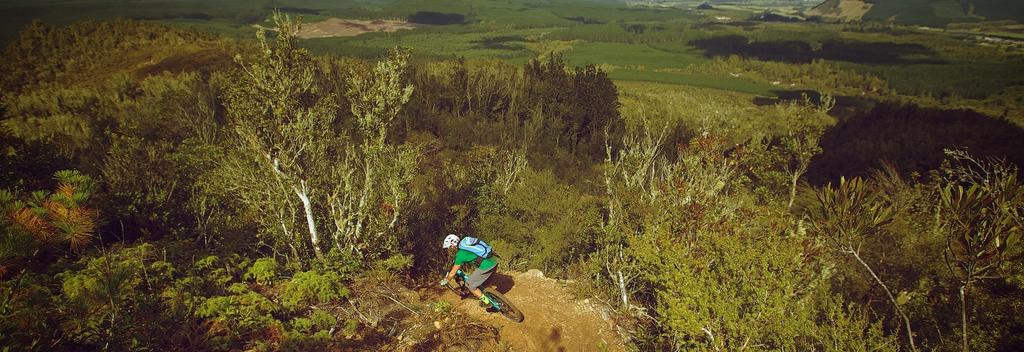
x: 844, y: 10
x: 921, y: 12
x: 996, y: 9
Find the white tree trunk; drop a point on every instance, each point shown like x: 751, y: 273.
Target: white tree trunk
x: 622, y: 290
x: 303, y: 192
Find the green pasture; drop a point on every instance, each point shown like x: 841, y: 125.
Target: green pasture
x: 701, y: 81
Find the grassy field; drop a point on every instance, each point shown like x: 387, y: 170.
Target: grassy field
x: 637, y: 56
x: 699, y: 81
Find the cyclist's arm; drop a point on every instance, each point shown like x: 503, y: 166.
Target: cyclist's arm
x: 451, y: 274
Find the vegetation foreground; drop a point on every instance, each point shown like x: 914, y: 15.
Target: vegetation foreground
x: 170, y: 189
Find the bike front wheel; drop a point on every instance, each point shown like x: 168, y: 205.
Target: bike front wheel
x: 507, y: 308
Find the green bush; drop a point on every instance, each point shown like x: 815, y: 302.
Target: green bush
x: 311, y: 287
x: 538, y: 223
x: 317, y: 321
x: 242, y: 310
x: 263, y: 271
x: 713, y: 269
x: 342, y: 262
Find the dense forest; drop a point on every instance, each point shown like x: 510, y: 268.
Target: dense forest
x: 167, y: 189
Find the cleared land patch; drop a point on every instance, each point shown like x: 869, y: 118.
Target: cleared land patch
x: 337, y: 27
x: 846, y: 10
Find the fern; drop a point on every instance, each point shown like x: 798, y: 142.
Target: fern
x: 310, y: 287
x: 262, y: 271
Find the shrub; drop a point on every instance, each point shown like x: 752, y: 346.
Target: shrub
x: 317, y: 321
x: 311, y: 287
x: 539, y: 221
x: 243, y: 310
x: 262, y: 271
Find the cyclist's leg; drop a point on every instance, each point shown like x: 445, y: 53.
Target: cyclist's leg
x: 477, y: 279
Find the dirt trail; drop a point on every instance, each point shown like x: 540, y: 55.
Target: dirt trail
x: 554, y: 320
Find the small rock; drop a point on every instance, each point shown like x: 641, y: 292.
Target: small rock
x: 437, y: 324
x: 535, y: 272
x: 586, y: 301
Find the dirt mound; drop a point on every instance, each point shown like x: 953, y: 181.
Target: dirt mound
x: 554, y: 320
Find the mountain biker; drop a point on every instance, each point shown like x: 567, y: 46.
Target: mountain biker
x: 488, y: 264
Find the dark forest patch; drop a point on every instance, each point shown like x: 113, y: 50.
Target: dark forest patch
x: 436, y: 18
x: 586, y: 20
x: 912, y: 138
x: 505, y: 42
x: 796, y: 51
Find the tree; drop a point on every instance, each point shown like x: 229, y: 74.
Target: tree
x: 584, y: 101
x: 846, y: 215
x: 283, y: 121
x: 979, y: 214
x: 371, y: 188
x: 800, y: 143
x: 295, y: 158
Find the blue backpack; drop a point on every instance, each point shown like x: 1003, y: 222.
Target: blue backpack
x: 475, y: 246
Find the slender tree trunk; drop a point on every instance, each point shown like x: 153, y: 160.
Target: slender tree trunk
x: 899, y: 311
x: 792, y: 189
x: 303, y: 193
x: 963, y: 314
x: 622, y: 290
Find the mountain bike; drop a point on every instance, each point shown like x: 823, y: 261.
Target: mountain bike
x: 498, y: 302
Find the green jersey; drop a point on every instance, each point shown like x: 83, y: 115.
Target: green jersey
x: 463, y: 256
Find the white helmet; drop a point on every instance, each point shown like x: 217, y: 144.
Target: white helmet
x: 450, y: 241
